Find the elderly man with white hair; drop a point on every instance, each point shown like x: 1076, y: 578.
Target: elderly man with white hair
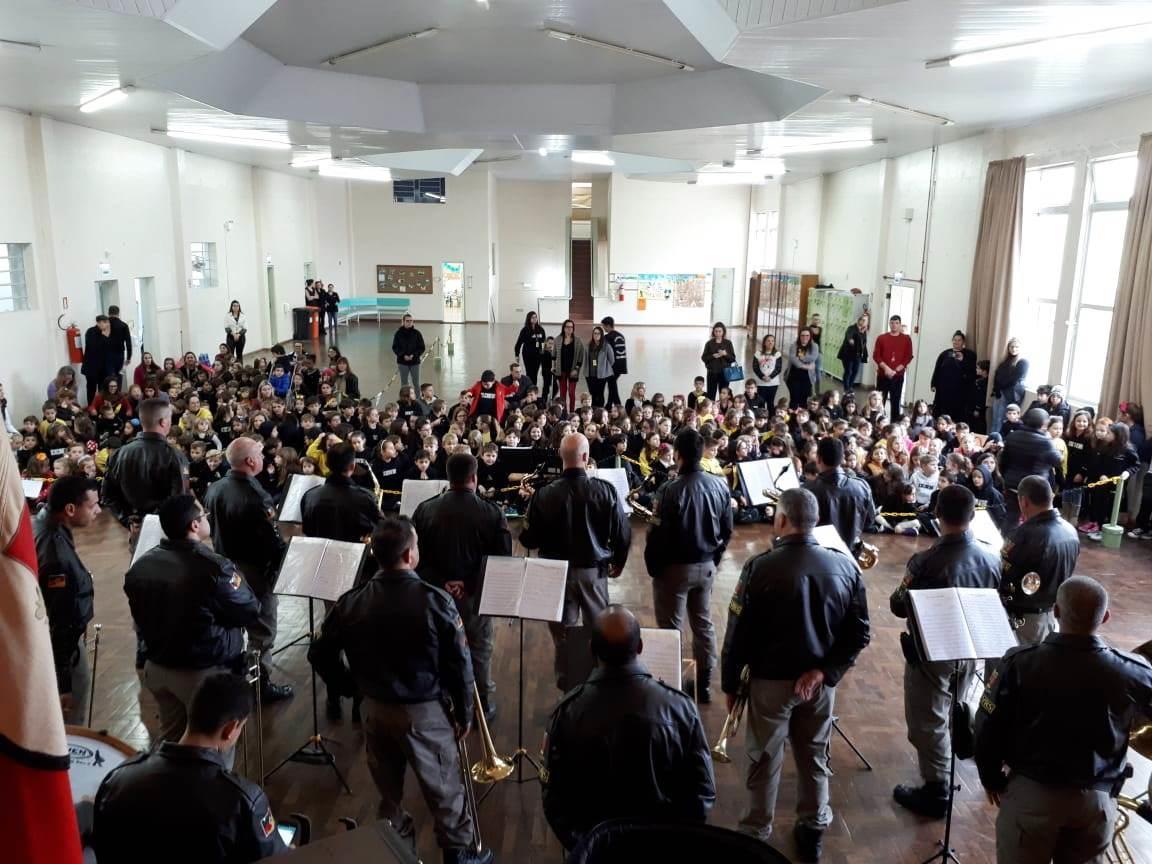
x: 244, y: 531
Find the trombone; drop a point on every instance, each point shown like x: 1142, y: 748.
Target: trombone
x: 732, y: 721
x: 491, y: 768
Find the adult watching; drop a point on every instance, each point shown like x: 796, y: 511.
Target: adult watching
x: 718, y: 355
x: 953, y: 377
x: 853, y: 352
x: 1008, y: 383
x: 408, y: 346
x: 235, y: 330
x: 529, y: 344
x: 892, y: 354
x: 803, y: 369
x: 619, y: 346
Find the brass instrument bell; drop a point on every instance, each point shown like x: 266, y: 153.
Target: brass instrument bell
x: 491, y: 767
x: 732, y: 721
x: 867, y: 555
x: 1030, y: 584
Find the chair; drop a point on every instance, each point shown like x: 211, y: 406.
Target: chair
x: 625, y: 841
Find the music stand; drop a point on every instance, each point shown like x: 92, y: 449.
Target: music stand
x: 520, y: 588
x: 317, y: 569
x: 956, y: 625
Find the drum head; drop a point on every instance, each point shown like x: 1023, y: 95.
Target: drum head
x: 92, y: 755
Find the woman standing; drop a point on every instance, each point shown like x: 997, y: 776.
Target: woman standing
x: 331, y: 307
x: 529, y: 344
x: 235, y: 329
x: 853, y: 352
x: 312, y: 298
x: 802, y: 360
x: 1008, y: 383
x: 953, y: 376
x: 568, y: 362
x: 600, y: 360
x: 718, y: 355
x: 767, y: 364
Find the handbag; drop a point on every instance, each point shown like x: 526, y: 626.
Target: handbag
x: 735, y: 372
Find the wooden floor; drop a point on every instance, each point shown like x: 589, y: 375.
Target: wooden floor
x: 868, y: 826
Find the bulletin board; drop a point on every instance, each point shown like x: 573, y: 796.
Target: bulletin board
x: 677, y: 290
x: 403, y: 279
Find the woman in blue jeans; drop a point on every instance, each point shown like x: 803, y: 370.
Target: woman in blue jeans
x: 1008, y: 383
x: 853, y: 352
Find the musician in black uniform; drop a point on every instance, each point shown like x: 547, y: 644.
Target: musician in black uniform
x: 648, y: 732
x: 146, y: 471
x: 457, y: 531
x: 407, y: 654
x: 66, y: 586
x: 956, y: 560
x: 691, y: 527
x: 798, y: 619
x: 1043, y: 544
x: 1057, y: 715
x: 190, y: 605
x: 181, y: 803
x: 340, y: 509
x: 243, y: 531
x: 1027, y: 451
x: 578, y: 519
x: 845, y: 500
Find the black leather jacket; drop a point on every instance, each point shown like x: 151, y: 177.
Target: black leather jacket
x: 404, y: 642
x: 457, y: 531
x: 408, y: 341
x: 641, y: 735
x: 693, y: 522
x: 189, y: 605
x: 66, y: 586
x: 795, y: 608
x: 1029, y: 451
x: 619, y: 352
x: 1045, y: 545
x: 845, y: 503
x: 181, y: 805
x: 243, y: 530
x: 339, y: 510
x: 1059, y: 712
x: 578, y: 519
x: 953, y: 561
x: 143, y: 474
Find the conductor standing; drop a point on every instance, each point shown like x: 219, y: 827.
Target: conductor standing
x: 457, y: 531
x: 693, y: 522
x: 578, y: 519
x: 798, y: 619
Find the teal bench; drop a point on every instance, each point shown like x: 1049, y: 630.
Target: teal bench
x: 352, y: 308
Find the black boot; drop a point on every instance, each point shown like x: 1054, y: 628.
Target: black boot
x: 270, y: 692
x: 704, y: 688
x: 929, y: 800
x: 333, y: 709
x: 463, y: 855
x: 809, y: 843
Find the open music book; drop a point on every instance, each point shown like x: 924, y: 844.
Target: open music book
x: 32, y: 488
x: 662, y: 655
x: 828, y: 537
x: 985, y: 530
x: 315, y: 567
x: 150, y: 536
x: 618, y: 477
x: 415, y: 492
x: 961, y: 623
x: 298, y: 484
x: 761, y: 474
x: 523, y: 588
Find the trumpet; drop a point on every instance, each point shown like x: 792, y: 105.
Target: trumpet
x: 732, y: 721
x: 648, y: 515
x: 1029, y: 585
x: 866, y: 555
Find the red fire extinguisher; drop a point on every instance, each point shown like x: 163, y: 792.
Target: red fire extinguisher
x: 72, y: 337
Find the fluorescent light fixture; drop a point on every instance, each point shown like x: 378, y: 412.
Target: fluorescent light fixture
x: 824, y: 146
x: 434, y: 196
x: 619, y: 49
x: 720, y: 178
x: 248, y: 139
x: 346, y: 171
x: 106, y: 99
x: 15, y: 46
x: 543, y: 151
x: 348, y: 55
x: 900, y: 109
x: 592, y: 157
x: 1022, y: 50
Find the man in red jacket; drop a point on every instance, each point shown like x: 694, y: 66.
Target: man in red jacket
x: 892, y: 354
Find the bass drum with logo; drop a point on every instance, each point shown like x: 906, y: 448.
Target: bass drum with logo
x: 92, y: 755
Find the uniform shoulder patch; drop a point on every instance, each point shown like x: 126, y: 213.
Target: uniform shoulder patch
x: 236, y: 581
x: 268, y: 822
x: 55, y: 582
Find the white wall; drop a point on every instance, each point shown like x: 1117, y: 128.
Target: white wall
x: 333, y: 238
x: 532, y: 227
x: 800, y: 213
x: 285, y: 221
x: 675, y: 228
x: 851, y: 227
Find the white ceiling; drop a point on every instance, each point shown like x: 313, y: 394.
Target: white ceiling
x: 490, y: 80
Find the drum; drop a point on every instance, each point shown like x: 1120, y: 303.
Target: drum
x: 92, y: 755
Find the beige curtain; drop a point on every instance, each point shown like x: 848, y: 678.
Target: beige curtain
x: 997, y: 251
x: 1128, y: 373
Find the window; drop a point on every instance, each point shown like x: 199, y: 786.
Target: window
x: 204, y: 272
x: 13, y: 278
x: 425, y: 190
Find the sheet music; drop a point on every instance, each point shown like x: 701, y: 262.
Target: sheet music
x: 987, y: 621
x: 543, y: 595
x: 503, y: 586
x: 32, y: 488
x: 761, y: 474
x: 662, y: 655
x: 298, y: 484
x: 618, y: 477
x: 315, y: 567
x: 985, y: 530
x: 415, y: 492
x: 940, y: 619
x: 150, y: 536
x: 828, y: 537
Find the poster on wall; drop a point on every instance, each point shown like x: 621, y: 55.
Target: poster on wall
x: 679, y: 290
x: 403, y: 279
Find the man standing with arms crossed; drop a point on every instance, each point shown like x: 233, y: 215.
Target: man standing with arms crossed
x: 892, y: 354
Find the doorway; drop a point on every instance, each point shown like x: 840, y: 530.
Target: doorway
x: 452, y: 287
x: 722, y: 289
x: 273, y: 330
x: 147, y: 330
x: 107, y: 294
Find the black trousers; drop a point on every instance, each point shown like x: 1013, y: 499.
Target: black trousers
x: 236, y: 344
x: 532, y: 368
x: 614, y: 391
x: 893, y: 390
x: 799, y: 388
x: 596, y: 388
x: 715, y: 380
x: 547, y: 383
